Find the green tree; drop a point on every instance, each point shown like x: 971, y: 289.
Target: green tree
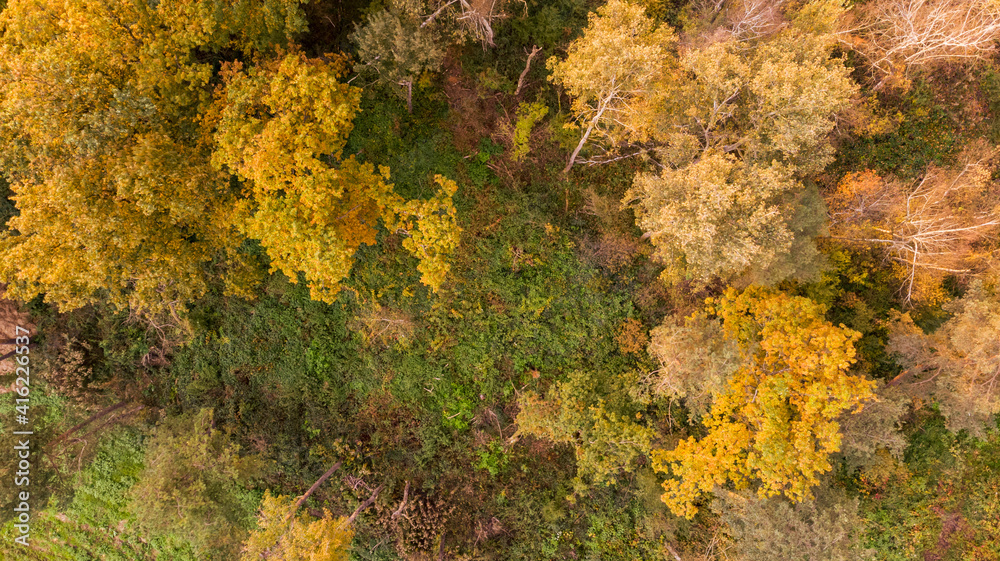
x: 775, y: 423
x: 192, y: 484
x: 605, y: 438
x: 399, y: 46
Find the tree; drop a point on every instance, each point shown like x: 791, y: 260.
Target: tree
x: 775, y: 98
x: 775, y: 423
x: 192, y: 482
x: 825, y: 529
x: 398, y: 45
x: 738, y: 126
x: 605, y: 440
x: 282, y: 127
x: 716, y: 216
x: 930, y: 228
x: 610, y: 68
x: 135, y: 184
x: 100, y: 108
x: 283, y: 537
x: 958, y: 365
x: 695, y: 359
x: 875, y: 432
x: 898, y: 36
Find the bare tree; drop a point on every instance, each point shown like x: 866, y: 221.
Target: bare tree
x: 928, y: 228
x: 753, y: 19
x: 474, y: 16
x: 896, y: 36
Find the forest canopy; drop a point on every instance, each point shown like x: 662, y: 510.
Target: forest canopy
x: 678, y: 280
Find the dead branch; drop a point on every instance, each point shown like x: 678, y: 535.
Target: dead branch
x: 402, y: 505
x: 368, y: 502
x: 315, y: 486
x: 928, y: 228
x: 524, y: 73
x: 106, y: 411
x: 898, y: 35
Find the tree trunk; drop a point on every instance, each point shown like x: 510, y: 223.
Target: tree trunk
x: 315, y: 486
x: 583, y: 141
x: 520, y: 80
x: 94, y: 417
x: 409, y: 96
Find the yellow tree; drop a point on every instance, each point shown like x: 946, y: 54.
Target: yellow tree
x: 774, y: 424
x: 98, y: 128
x: 281, y: 127
x: 121, y: 151
x: 610, y: 68
x: 280, y: 536
x: 738, y: 126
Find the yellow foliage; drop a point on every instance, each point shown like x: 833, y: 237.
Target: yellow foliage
x: 99, y: 104
x: 631, y: 337
x: 121, y: 159
x: 775, y: 423
x: 280, y: 537
x: 310, y: 208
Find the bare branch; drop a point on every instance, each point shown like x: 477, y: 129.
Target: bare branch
x: 535, y: 49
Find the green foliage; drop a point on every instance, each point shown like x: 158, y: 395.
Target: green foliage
x: 927, y: 135
x: 397, y: 47
x: 575, y: 413
x: 528, y: 115
x: 940, y: 501
x: 192, y: 485
x: 493, y: 458
x: 479, y: 172
x: 97, y: 522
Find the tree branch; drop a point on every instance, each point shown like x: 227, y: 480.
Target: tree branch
x: 315, y: 486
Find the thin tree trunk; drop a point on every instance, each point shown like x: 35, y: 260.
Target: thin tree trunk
x: 590, y: 128
x: 315, y: 486
x: 409, y: 96
x: 94, y: 417
x: 520, y: 81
